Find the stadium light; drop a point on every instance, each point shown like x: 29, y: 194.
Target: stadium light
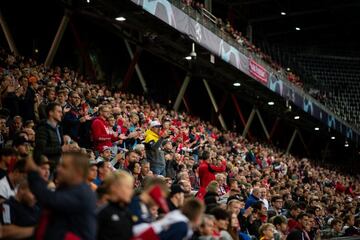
x: 283, y: 13
x: 271, y: 103
x: 237, y: 84
x: 288, y: 69
x: 316, y: 128
x: 297, y: 29
x: 333, y: 138
x: 120, y: 19
x: 188, y: 58
x: 297, y: 117
x: 88, y: 1
x: 36, y: 50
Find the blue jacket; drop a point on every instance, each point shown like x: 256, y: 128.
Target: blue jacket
x: 71, y: 209
x: 251, y: 200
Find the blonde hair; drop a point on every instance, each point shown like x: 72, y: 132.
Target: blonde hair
x: 264, y: 227
x: 115, y: 177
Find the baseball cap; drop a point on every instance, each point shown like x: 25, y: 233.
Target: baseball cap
x: 156, y: 194
x: 155, y: 124
x: 106, y: 148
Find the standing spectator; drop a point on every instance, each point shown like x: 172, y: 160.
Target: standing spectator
x: 69, y: 212
x: 154, y: 154
x: 276, y: 206
x: 100, y: 130
x: 207, y: 172
x: 28, y: 103
x: 114, y: 220
x: 49, y: 138
x: 50, y: 96
x: 74, y: 117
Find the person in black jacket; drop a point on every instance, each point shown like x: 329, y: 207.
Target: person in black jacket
x: 114, y: 220
x: 74, y: 118
x: 50, y: 96
x: 69, y: 211
x: 49, y: 137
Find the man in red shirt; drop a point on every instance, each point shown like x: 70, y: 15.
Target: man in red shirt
x: 100, y: 131
x: 207, y: 172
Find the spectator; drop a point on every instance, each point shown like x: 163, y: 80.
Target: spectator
x: 7, y: 155
x: 20, y: 214
x: 302, y: 230
x: 49, y: 138
x: 335, y: 231
x: 70, y: 210
x: 176, y: 197
x: 104, y: 168
x: 114, y: 220
x: 276, y: 206
x: 10, y: 182
x: 93, y: 170
x: 206, y: 228
x: 99, y: 128
x: 74, y: 117
x: 153, y: 141
x: 253, y: 198
x: 206, y: 172
x: 222, y: 220
x: 50, y: 96
x: 266, y: 231
x: 280, y: 223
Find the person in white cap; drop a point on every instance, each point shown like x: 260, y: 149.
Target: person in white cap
x: 154, y: 153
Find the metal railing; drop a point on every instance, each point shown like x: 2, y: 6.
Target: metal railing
x: 209, y: 21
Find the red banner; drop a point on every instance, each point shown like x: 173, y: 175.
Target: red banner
x: 258, y: 71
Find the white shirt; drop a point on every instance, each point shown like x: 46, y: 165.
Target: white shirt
x: 266, y: 203
x: 6, y: 188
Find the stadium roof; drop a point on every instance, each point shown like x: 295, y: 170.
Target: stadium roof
x: 323, y: 23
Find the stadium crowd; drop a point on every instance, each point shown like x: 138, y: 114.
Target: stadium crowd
x: 81, y: 161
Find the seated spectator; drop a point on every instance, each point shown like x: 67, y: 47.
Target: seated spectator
x: 7, y: 157
x: 20, y: 214
x: 114, y: 220
x: 301, y: 231
x: 176, y: 197
x: 222, y: 220
x: 134, y: 169
x: 335, y: 230
x: 266, y: 231
x: 93, y: 171
x: 281, y: 227
x: 104, y: 168
x: 10, y: 182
